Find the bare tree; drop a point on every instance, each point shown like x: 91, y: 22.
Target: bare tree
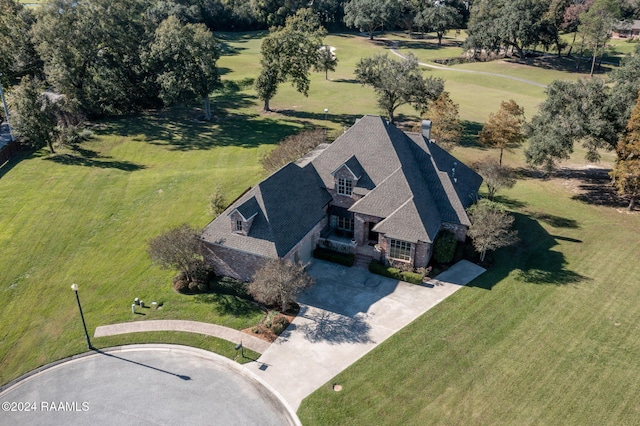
x: 178, y: 248
x: 490, y: 227
x: 496, y: 177
x: 278, y: 282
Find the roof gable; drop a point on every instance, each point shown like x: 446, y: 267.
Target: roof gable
x: 289, y: 203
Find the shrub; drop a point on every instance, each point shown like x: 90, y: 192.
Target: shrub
x: 181, y: 286
x: 335, y: 257
x: 202, y: 274
x: 444, y: 247
x: 292, y: 148
x: 279, y: 324
x: 391, y: 272
x: 411, y: 277
x: 269, y: 319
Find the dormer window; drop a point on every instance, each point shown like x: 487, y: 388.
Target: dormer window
x: 238, y: 226
x: 345, y: 186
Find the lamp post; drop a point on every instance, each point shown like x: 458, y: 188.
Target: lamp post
x: 326, y: 111
x: 74, y: 287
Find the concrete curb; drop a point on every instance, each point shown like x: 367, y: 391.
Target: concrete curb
x: 226, y: 333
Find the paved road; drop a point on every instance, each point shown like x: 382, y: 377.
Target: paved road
x: 346, y: 314
x: 144, y: 384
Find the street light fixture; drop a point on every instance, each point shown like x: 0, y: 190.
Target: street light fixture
x: 326, y: 111
x: 74, y: 287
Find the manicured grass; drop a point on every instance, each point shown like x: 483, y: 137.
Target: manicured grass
x: 545, y: 336
x: 86, y: 216
x: 207, y: 343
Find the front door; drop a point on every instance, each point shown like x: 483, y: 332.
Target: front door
x: 373, y: 236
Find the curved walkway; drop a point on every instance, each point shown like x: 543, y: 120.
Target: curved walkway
x: 492, y: 74
x: 226, y: 333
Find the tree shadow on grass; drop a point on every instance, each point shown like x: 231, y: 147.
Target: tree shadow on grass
x: 564, y: 64
x: 178, y: 132
x: 556, y: 221
x: 425, y: 43
x: 225, y: 304
x: 304, y: 117
x: 591, y: 185
x: 594, y: 185
x: 79, y: 160
x: 533, y: 258
x: 509, y: 202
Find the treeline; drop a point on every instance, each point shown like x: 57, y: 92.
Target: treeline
x: 100, y: 54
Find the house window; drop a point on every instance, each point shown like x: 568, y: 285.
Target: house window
x: 238, y: 226
x: 400, y: 250
x: 345, y: 223
x: 344, y: 186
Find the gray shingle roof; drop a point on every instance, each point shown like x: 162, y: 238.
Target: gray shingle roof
x: 405, y: 170
x: 290, y: 202
x: 406, y: 180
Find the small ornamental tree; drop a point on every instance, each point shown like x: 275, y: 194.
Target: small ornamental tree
x: 278, y: 282
x: 496, y: 177
x: 180, y: 249
x: 398, y: 82
x: 217, y: 203
x: 490, y: 227
x: 444, y: 114
x: 504, y: 129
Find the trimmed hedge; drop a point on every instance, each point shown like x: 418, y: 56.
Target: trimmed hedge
x: 444, y: 248
x: 335, y: 257
x: 391, y: 272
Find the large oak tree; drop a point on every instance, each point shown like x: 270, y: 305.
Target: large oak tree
x: 289, y: 53
x: 184, y: 58
x: 398, y: 82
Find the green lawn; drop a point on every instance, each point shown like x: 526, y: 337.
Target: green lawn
x: 86, y: 216
x: 547, y: 335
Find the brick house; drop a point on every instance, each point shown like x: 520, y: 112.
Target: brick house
x: 375, y: 191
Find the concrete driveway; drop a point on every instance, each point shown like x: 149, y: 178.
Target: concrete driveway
x: 342, y: 317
